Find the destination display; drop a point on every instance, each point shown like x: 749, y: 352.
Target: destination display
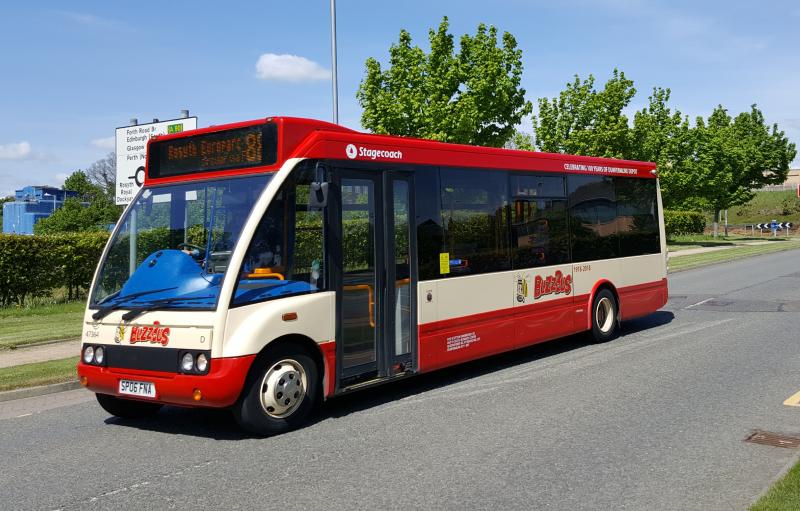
x: 231, y: 149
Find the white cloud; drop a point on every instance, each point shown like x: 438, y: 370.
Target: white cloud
x: 89, y: 20
x: 289, y: 68
x: 15, y: 151
x: 109, y: 143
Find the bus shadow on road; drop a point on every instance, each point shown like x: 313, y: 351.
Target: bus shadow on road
x: 219, y: 424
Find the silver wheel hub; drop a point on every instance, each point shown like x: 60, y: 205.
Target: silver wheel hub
x: 283, y: 388
x: 604, y: 315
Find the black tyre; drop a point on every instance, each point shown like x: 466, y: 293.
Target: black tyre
x: 281, y: 392
x: 605, y: 316
x: 127, y: 408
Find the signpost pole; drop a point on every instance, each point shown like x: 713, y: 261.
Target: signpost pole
x: 132, y: 243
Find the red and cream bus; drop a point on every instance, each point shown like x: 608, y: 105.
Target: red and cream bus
x: 267, y: 265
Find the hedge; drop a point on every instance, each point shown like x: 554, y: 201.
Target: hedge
x: 684, y: 222
x: 35, y: 265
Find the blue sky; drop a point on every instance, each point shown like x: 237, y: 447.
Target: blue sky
x: 71, y: 72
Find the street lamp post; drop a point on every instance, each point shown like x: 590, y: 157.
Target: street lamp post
x: 333, y: 64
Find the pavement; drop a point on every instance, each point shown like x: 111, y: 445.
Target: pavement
x: 655, y: 419
x: 40, y: 353
x: 703, y: 250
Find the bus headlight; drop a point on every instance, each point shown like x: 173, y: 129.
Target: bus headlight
x: 88, y: 354
x: 202, y: 362
x: 187, y: 363
x: 99, y: 355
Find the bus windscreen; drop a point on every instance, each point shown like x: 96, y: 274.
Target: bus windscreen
x: 238, y: 148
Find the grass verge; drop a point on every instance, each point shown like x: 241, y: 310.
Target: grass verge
x: 39, y: 373
x: 21, y: 325
x: 720, y: 256
x: 677, y: 243
x: 784, y: 495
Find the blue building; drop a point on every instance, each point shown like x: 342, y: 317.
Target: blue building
x: 31, y: 204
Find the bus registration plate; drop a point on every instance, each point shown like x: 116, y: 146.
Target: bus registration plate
x: 137, y: 388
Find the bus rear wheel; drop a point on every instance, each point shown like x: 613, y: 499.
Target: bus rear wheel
x: 127, y: 408
x: 605, y: 316
x: 280, y: 394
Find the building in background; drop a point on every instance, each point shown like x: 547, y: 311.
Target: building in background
x: 31, y: 204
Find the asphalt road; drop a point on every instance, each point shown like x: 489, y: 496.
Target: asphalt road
x: 653, y: 420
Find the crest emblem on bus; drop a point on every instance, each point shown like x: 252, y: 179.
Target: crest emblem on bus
x: 351, y: 151
x: 119, y: 334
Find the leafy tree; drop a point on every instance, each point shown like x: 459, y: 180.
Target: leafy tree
x: 665, y: 137
x: 75, y: 215
x: 521, y: 141
x: 736, y: 156
x: 470, y: 97
x: 79, y: 182
x: 583, y: 120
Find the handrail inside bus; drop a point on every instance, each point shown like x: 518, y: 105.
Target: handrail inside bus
x: 371, y: 295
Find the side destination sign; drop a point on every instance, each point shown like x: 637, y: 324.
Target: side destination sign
x: 132, y: 153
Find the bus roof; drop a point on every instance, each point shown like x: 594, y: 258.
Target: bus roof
x: 308, y: 138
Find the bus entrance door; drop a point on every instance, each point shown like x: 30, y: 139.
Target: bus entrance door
x: 375, y: 283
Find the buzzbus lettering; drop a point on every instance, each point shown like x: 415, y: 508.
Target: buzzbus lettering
x: 155, y: 334
x: 552, y: 285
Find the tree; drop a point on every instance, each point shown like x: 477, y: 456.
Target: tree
x: 583, y: 120
x: 736, y: 156
x: 75, y: 215
x: 521, y: 141
x: 79, y: 182
x: 470, y: 97
x: 103, y: 173
x: 666, y: 138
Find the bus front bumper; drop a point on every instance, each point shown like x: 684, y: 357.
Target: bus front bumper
x: 219, y: 388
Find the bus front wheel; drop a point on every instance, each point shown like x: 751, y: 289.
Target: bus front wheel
x: 280, y: 394
x: 605, y: 316
x: 126, y: 408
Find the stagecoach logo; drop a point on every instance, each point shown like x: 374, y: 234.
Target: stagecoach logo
x: 155, y: 334
x: 364, y: 152
x: 552, y: 285
x: 119, y: 334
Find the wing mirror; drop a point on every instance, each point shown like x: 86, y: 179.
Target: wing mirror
x: 318, y: 195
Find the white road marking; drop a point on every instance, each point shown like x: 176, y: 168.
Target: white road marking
x: 699, y: 303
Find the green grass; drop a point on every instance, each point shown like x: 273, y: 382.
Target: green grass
x: 783, y: 206
x: 693, y: 261
x: 784, y: 495
x: 683, y: 242
x: 40, y: 373
x: 26, y: 325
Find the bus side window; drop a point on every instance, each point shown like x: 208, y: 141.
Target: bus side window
x: 286, y: 254
x: 539, y: 234
x: 474, y: 212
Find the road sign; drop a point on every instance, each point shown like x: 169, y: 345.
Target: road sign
x: 132, y: 150
x: 775, y: 225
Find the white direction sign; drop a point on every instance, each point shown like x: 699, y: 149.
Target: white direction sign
x: 132, y: 152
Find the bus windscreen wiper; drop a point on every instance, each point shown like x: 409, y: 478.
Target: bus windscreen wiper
x: 155, y: 304
x: 105, y: 311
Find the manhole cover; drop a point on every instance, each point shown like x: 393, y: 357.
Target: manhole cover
x: 773, y: 439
